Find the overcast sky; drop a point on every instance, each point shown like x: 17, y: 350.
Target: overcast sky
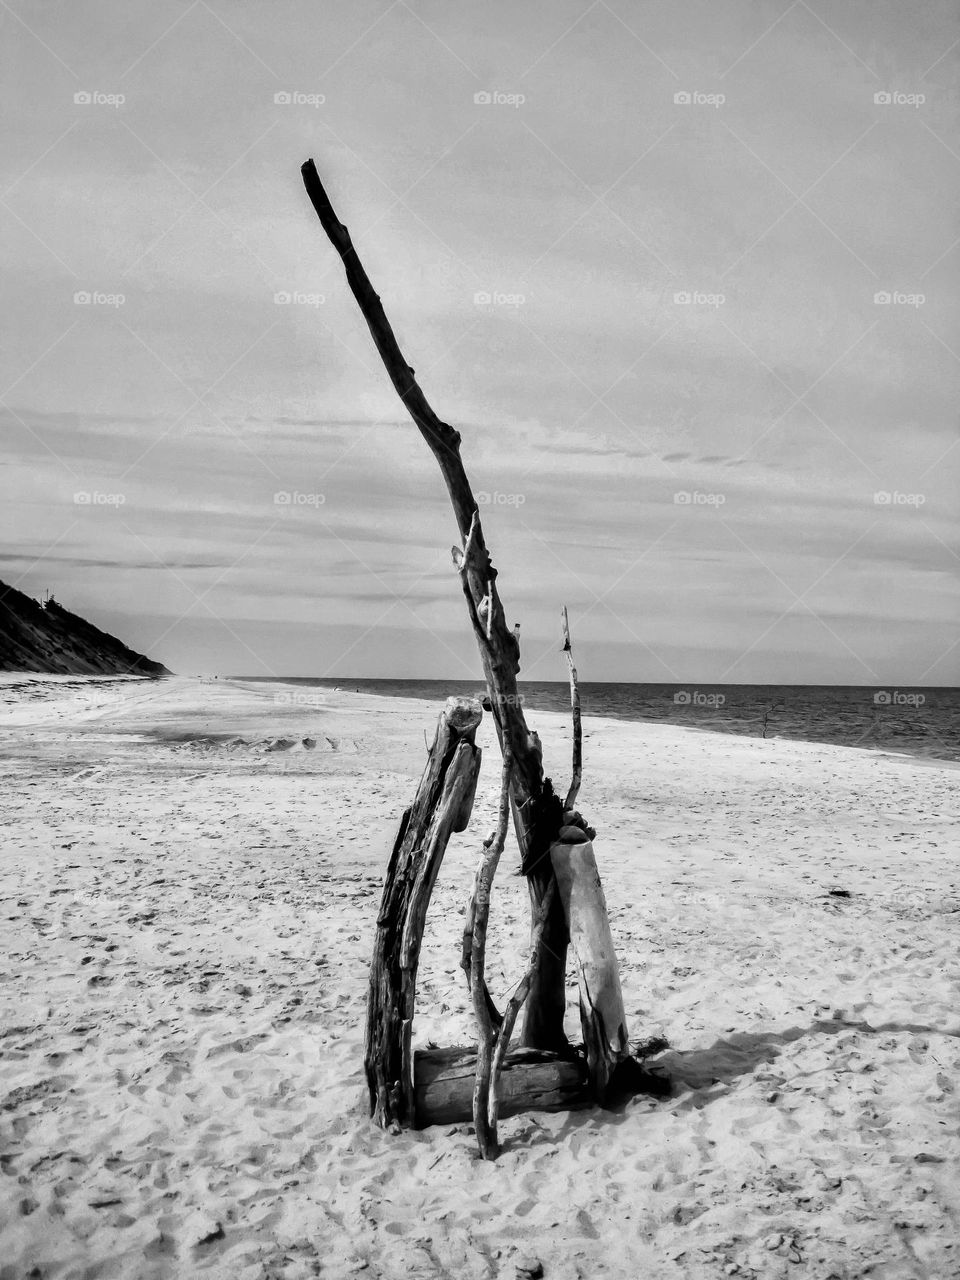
x: 153, y: 166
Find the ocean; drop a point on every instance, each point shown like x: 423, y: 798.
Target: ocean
x: 914, y: 721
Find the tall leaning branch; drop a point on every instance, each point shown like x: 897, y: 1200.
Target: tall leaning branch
x: 537, y: 812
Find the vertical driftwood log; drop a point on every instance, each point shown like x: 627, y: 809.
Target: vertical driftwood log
x: 442, y: 805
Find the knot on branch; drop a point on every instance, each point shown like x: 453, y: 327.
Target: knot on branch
x: 572, y: 818
x: 545, y: 823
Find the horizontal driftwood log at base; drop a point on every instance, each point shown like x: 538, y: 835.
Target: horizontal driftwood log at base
x: 531, y: 1080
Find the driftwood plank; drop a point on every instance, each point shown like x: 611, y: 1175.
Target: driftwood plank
x: 442, y: 802
x: 602, y: 1016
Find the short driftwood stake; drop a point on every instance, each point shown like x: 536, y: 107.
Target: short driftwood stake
x: 602, y: 1016
x: 442, y: 806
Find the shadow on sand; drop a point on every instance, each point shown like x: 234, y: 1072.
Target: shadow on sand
x: 742, y: 1053
x: 690, y: 1077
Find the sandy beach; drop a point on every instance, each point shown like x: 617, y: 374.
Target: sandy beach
x: 190, y: 878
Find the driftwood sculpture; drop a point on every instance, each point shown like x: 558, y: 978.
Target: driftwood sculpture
x: 556, y: 850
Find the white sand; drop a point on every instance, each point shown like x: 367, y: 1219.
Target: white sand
x: 187, y: 926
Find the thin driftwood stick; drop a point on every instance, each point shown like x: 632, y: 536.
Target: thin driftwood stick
x: 466, y: 949
x: 486, y: 1031
x: 514, y: 1004
x: 577, y: 772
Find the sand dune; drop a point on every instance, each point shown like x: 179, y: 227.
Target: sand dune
x: 49, y: 638
x: 189, y: 909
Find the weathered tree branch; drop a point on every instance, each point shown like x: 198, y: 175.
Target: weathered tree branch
x: 537, y: 812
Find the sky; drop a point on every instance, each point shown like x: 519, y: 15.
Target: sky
x: 683, y: 275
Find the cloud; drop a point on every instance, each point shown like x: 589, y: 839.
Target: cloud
x: 595, y: 396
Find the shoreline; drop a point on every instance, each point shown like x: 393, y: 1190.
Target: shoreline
x: 9, y: 681
x: 714, y: 721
